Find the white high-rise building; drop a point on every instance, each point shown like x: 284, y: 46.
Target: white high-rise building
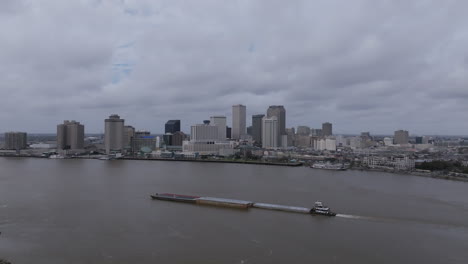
x: 220, y: 122
x: 239, y: 127
x: 114, y: 134
x: 270, y: 132
x: 204, y: 132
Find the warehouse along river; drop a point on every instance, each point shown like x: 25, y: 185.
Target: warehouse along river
x: 91, y: 211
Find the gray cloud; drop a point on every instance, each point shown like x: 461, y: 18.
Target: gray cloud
x: 363, y: 65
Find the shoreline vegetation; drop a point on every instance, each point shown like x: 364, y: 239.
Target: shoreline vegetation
x: 2, y: 261
x: 446, y: 175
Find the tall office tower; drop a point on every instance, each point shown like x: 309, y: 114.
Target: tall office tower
x: 129, y: 133
x: 419, y: 140
x: 327, y: 129
x: 172, y: 126
x: 401, y: 137
x: 279, y: 112
x: 257, y: 124
x: 167, y: 138
x: 70, y: 135
x: 228, y: 132
x: 114, y: 134
x: 238, y: 121
x: 270, y: 132
x: 204, y: 132
x: 303, y: 130
x: 16, y: 140
x: 220, y: 122
x: 316, y: 132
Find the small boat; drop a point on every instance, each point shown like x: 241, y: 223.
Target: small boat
x: 175, y: 197
x: 328, y: 166
x: 320, y: 209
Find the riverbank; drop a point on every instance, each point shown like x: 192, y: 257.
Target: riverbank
x: 289, y: 164
x: 435, y: 175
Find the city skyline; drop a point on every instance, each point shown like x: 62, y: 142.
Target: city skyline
x: 186, y: 127
x: 363, y: 66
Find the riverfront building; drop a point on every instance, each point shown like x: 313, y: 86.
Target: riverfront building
x: 270, y: 133
x: 70, y: 135
x: 239, y: 117
x: 143, y: 142
x: 16, y: 140
x: 279, y: 112
x: 204, y: 140
x: 114, y: 134
x: 204, y: 132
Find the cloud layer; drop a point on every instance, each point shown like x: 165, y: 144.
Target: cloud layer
x: 363, y: 65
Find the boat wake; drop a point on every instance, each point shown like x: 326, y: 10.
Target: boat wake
x: 356, y: 217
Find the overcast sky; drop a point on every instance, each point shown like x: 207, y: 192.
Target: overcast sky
x: 363, y: 65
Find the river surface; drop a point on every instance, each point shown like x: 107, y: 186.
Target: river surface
x: 98, y: 212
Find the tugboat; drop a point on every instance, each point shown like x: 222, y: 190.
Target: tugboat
x: 320, y: 209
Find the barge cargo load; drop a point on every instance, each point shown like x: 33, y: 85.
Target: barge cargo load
x: 175, y: 197
x: 224, y: 202
x: 286, y: 208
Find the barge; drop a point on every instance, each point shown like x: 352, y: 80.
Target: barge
x: 175, y: 197
x: 318, y: 209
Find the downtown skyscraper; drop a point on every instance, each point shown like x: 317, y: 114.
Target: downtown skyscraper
x: 239, y: 116
x: 279, y: 112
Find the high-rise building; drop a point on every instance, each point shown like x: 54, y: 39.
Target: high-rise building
x: 327, y: 129
x: 303, y: 130
x: 70, y: 135
x: 279, y: 112
x: 167, y: 138
x: 16, y: 140
x: 229, y: 132
x: 204, y: 132
x: 220, y: 122
x: 257, y: 124
x: 316, y: 132
x: 172, y: 126
x: 177, y: 138
x: 129, y: 133
x: 270, y: 132
x: 418, y: 140
x: 114, y: 134
x: 401, y: 137
x: 239, y: 126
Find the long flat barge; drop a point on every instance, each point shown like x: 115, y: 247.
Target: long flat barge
x: 318, y: 209
x: 175, y: 197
